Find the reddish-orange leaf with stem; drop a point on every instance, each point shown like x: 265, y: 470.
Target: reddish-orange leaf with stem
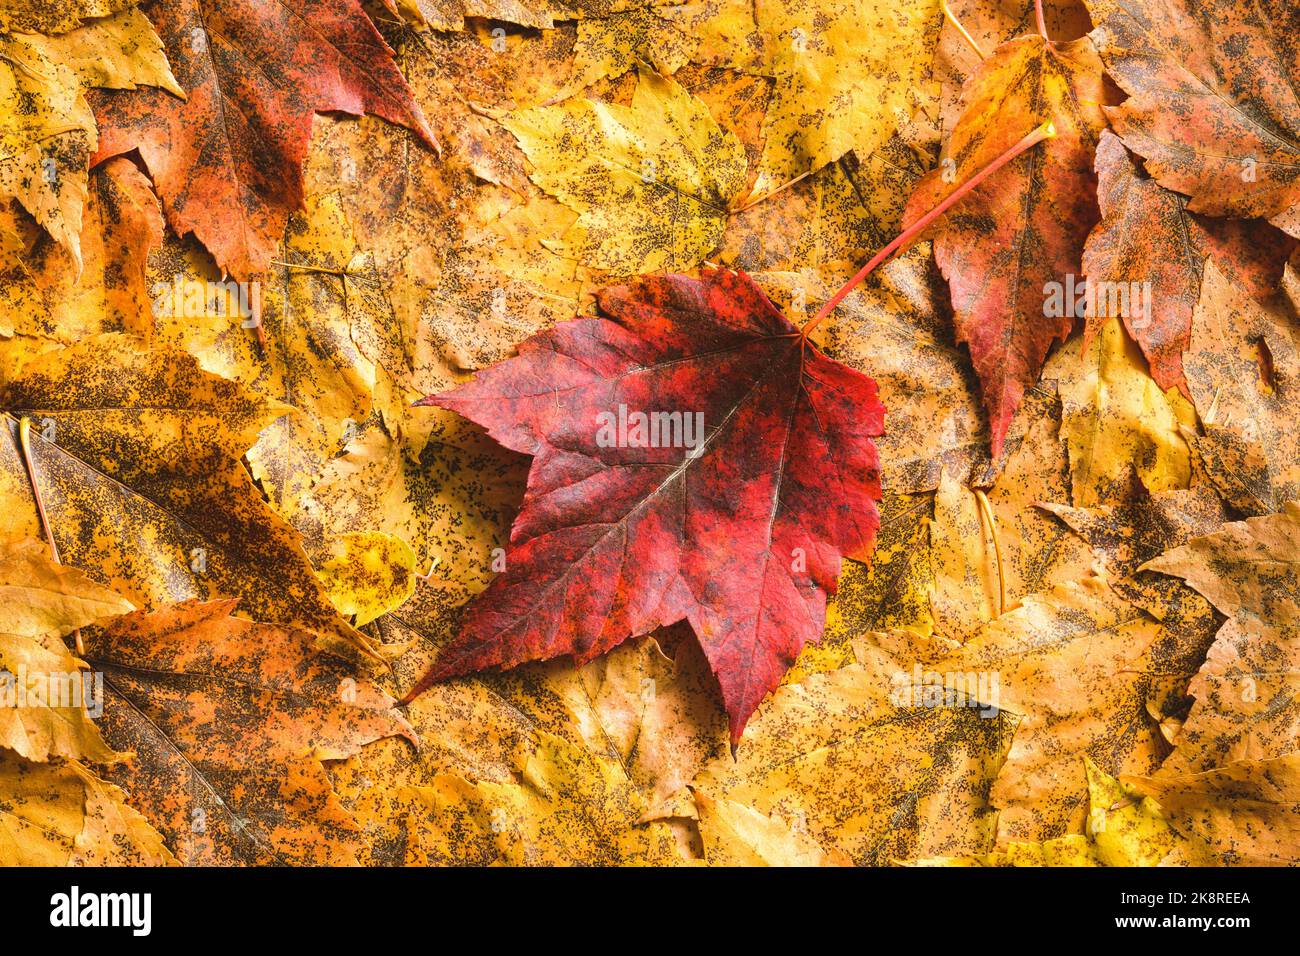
x: 1024, y: 226
x: 227, y: 161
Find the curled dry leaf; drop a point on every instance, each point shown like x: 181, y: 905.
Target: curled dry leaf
x: 965, y: 593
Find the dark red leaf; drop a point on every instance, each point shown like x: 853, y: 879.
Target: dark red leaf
x: 743, y: 538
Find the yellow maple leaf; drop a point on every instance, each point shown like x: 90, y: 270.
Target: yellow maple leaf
x: 848, y: 74
x: 1116, y: 417
x: 653, y: 182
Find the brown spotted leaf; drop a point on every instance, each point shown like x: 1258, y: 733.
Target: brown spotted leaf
x: 1247, y: 698
x: 229, y: 722
x: 1146, y: 257
x: 49, y: 304
x: 1244, y: 814
x: 1068, y: 662
x: 856, y: 762
x: 1243, y: 366
x: 990, y: 25
x: 735, y: 835
x: 1250, y: 566
x: 451, y: 14
x: 847, y: 74
x: 1138, y: 528
x: 332, y: 345
x: 652, y: 182
x: 1214, y: 98
x: 647, y: 713
x: 54, y: 16
x: 569, y: 807
x: 136, y: 454
x: 47, y: 129
x: 45, y: 692
x: 61, y: 814
x: 1036, y: 550
x: 896, y: 329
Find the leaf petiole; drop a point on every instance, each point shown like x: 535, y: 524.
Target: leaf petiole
x: 986, y: 511
x: 970, y: 40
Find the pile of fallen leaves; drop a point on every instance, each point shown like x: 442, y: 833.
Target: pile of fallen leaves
x: 488, y: 357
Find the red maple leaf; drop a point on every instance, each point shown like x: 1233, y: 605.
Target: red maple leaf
x: 227, y: 161
x: 729, y: 504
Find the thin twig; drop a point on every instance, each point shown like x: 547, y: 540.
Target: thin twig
x: 425, y: 577
x: 952, y: 18
x: 751, y: 202
x: 986, y: 510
